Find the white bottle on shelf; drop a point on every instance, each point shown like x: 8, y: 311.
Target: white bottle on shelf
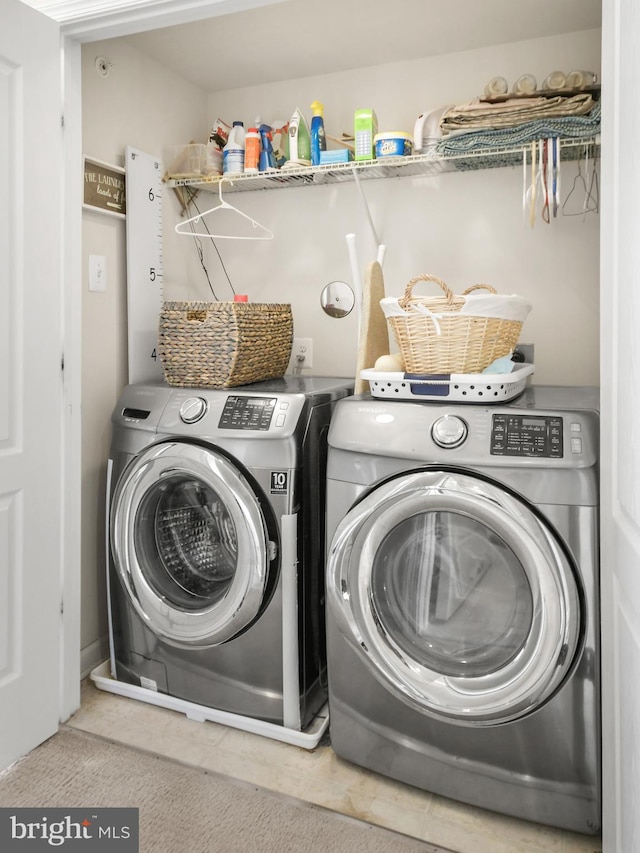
x: 233, y: 151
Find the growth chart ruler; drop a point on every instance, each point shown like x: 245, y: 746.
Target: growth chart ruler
x: 144, y: 263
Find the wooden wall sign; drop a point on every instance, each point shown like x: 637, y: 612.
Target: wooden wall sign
x: 104, y: 187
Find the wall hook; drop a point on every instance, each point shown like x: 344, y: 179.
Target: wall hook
x: 103, y: 66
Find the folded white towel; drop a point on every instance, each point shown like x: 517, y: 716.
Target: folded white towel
x: 495, y: 305
x: 476, y: 304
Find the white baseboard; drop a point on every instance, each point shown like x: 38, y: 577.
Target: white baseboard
x: 93, y: 655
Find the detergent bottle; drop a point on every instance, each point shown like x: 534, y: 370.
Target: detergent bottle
x: 233, y: 151
x: 252, y: 150
x: 318, y: 139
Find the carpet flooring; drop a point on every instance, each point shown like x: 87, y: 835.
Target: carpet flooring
x: 183, y: 809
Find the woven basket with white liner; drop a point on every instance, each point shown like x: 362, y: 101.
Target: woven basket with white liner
x: 454, y: 334
x: 224, y: 344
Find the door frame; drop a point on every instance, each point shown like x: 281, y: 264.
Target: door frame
x: 71, y: 272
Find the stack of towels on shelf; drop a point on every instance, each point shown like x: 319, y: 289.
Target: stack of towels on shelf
x: 482, y: 125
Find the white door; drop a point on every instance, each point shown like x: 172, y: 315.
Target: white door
x: 31, y: 389
x: 620, y: 321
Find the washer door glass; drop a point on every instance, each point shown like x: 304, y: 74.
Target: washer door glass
x: 458, y: 596
x: 191, y: 545
x: 184, y: 526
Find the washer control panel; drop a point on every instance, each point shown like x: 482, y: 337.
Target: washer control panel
x: 449, y: 431
x: 253, y: 413
x: 527, y: 435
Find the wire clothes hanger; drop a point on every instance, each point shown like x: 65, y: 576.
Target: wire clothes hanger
x: 585, y: 187
x: 258, y: 231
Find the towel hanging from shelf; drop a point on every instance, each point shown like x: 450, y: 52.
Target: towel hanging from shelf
x: 257, y: 232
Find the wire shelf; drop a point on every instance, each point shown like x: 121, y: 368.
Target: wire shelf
x: 415, y: 165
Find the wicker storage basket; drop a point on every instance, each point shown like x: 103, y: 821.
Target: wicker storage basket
x: 224, y: 344
x: 434, y: 337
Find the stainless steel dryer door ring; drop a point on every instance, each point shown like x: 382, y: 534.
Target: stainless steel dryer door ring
x: 190, y: 544
x: 457, y: 596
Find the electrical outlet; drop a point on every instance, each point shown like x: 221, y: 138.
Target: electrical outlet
x: 524, y: 353
x: 302, y: 353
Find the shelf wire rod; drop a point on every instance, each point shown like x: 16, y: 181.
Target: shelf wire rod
x: 366, y: 207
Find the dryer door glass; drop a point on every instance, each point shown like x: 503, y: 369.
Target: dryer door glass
x: 452, y: 594
x: 459, y: 597
x: 193, y: 544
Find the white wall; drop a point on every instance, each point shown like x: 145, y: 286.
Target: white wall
x: 464, y: 227
x: 138, y: 104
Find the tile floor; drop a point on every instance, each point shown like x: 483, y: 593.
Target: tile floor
x: 317, y: 776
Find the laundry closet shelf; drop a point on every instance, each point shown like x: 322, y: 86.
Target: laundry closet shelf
x: 416, y: 165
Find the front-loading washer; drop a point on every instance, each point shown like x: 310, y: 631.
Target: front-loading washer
x: 462, y: 599
x: 216, y: 534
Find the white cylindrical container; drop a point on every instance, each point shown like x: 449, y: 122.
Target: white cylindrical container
x: 525, y: 85
x: 495, y: 87
x: 233, y: 151
x: 392, y: 144
x: 556, y: 80
x: 580, y: 79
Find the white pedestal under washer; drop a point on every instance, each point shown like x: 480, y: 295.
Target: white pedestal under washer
x: 216, y: 535
x: 462, y: 599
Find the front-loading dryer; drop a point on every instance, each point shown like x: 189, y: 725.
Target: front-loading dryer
x: 216, y: 533
x: 462, y: 599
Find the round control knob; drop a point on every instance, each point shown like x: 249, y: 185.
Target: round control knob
x: 449, y: 431
x: 192, y: 410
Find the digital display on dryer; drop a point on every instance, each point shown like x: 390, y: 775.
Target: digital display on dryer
x: 252, y: 413
x: 519, y: 435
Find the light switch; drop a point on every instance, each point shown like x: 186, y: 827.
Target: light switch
x: 97, y: 273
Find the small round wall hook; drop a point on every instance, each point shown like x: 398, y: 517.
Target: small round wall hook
x: 103, y: 66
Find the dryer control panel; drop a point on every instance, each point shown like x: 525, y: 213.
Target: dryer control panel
x: 527, y: 435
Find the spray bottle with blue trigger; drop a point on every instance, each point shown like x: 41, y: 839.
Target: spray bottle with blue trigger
x: 267, y: 157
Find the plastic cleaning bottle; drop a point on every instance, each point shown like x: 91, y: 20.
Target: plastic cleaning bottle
x: 267, y: 158
x: 252, y: 151
x: 299, y: 140
x: 233, y: 151
x: 318, y: 139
